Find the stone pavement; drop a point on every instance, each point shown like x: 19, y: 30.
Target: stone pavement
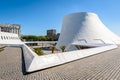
x: 104, y: 66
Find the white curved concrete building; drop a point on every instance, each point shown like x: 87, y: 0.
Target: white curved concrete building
x: 84, y: 28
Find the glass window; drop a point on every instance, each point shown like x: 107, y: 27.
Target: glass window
x: 1, y: 37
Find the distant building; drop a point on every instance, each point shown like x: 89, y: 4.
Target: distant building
x: 51, y: 32
x: 57, y: 36
x: 10, y: 28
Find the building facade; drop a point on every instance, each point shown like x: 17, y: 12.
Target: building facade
x: 51, y: 32
x: 84, y: 30
x: 10, y: 28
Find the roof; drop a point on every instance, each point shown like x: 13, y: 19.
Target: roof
x: 105, y: 66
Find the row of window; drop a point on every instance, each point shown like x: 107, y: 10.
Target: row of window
x: 11, y: 30
x: 9, y: 38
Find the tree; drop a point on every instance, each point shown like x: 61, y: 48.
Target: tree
x: 63, y: 48
x: 53, y: 48
x: 38, y: 51
x: 37, y: 38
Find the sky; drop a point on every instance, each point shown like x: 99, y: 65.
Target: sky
x: 37, y: 16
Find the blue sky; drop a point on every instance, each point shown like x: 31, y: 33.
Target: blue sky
x: 36, y: 16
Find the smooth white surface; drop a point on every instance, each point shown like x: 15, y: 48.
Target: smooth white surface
x: 9, y: 39
x: 86, y: 28
x: 29, y: 55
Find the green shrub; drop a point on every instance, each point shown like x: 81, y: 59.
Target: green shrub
x: 38, y: 51
x: 37, y: 38
x: 63, y: 48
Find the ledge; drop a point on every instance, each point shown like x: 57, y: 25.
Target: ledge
x: 33, y: 62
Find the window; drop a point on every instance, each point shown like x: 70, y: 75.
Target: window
x: 1, y: 37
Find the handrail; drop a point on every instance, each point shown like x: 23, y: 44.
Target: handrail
x: 100, y: 40
x: 82, y: 40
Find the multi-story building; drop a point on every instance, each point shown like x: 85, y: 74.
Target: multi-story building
x: 57, y: 36
x: 51, y: 32
x: 11, y: 28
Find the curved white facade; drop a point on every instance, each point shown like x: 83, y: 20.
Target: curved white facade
x: 9, y: 39
x: 84, y: 28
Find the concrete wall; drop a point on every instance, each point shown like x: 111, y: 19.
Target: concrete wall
x: 46, y: 61
x: 9, y: 39
x: 29, y: 55
x: 41, y: 43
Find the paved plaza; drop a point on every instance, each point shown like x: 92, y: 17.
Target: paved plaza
x: 104, y: 66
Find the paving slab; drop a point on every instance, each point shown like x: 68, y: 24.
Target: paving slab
x: 104, y: 66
